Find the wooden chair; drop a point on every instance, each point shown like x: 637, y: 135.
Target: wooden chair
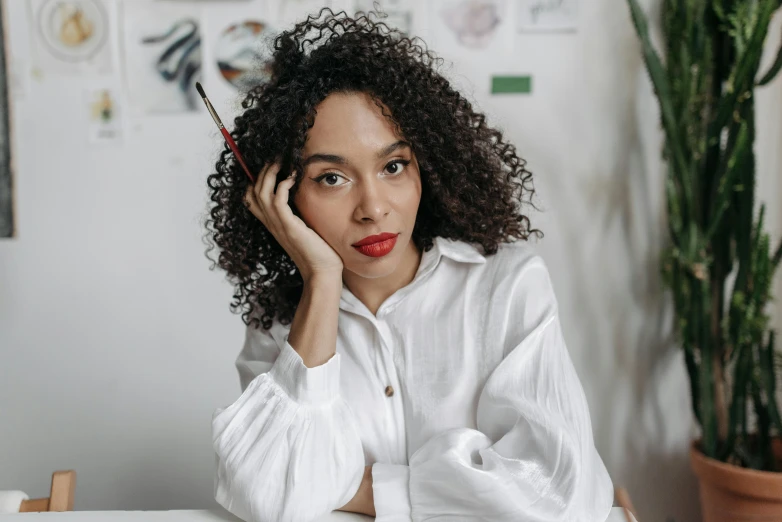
x: 60, y: 498
x: 622, y: 498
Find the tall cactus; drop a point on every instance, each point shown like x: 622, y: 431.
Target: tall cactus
x: 705, y: 88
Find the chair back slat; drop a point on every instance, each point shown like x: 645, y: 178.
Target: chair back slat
x: 61, y: 495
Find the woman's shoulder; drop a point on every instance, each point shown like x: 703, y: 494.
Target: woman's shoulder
x: 518, y: 274
x: 522, y: 291
x: 513, y: 261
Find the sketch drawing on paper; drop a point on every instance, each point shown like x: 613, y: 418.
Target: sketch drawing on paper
x: 71, y: 35
x: 474, y: 22
x: 73, y: 30
x: 163, y: 57
x: 104, y: 123
x: 548, y: 15
x: 398, y: 13
x: 179, y: 57
x: 244, y: 54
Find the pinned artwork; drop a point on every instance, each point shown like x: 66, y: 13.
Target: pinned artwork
x: 162, y: 56
x: 71, y: 36
x: 104, y: 115
x: 243, y: 54
x: 474, y: 24
x: 399, y: 13
x: 548, y: 15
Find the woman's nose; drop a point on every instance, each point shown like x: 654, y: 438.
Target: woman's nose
x: 373, y: 203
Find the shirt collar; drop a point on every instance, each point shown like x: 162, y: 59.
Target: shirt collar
x: 457, y: 250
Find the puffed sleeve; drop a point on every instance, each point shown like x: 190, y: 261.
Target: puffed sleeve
x: 532, y: 457
x: 288, y: 449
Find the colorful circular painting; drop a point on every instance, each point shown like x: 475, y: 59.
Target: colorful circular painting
x: 244, y: 54
x: 73, y: 30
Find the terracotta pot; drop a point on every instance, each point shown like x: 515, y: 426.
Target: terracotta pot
x: 733, y: 494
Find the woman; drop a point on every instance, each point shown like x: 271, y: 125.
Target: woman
x: 423, y: 376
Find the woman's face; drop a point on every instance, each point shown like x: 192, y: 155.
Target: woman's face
x: 360, y: 179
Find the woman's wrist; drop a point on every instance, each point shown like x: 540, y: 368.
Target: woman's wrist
x: 364, y: 500
x: 369, y: 496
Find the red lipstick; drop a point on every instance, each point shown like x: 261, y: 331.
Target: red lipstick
x: 376, y: 246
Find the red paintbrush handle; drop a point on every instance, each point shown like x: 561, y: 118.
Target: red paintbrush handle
x: 231, y: 143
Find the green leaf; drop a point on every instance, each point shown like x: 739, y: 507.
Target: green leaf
x: 768, y: 379
x: 775, y: 68
x: 726, y: 182
x: 739, y: 402
x: 747, y: 65
x: 663, y: 90
x: 706, y: 377
x: 763, y: 458
x: 777, y: 256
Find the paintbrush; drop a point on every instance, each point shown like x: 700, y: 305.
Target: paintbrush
x: 228, y: 139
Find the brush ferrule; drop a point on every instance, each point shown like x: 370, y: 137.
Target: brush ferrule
x: 211, y: 110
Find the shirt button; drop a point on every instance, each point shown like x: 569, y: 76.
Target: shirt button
x: 389, y: 391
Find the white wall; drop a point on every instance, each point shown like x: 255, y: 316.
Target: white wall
x: 116, y: 342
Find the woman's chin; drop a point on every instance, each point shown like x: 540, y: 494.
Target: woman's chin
x: 371, y: 267
x: 374, y: 269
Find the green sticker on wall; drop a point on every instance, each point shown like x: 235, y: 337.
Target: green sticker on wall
x: 511, y: 84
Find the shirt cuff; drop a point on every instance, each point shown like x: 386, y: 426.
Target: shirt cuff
x: 315, y: 386
x: 390, y: 488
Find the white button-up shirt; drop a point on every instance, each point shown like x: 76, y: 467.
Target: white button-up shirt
x: 460, y: 393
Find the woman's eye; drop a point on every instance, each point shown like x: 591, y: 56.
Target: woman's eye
x: 403, y: 164
x: 329, y: 179
x: 331, y: 176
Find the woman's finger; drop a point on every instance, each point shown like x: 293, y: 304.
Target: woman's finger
x: 281, y: 199
x: 252, y: 205
x: 250, y: 199
x: 265, y: 185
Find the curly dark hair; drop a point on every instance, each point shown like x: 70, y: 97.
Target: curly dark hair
x: 472, y: 182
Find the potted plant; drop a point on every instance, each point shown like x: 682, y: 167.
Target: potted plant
x: 719, y: 263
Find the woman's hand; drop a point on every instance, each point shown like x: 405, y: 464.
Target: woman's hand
x: 364, y: 500
x: 310, y: 252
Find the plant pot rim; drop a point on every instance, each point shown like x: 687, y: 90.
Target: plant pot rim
x: 748, y: 482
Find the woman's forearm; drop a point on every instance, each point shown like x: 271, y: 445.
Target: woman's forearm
x: 313, y: 331
x: 364, y: 500
x: 313, y: 335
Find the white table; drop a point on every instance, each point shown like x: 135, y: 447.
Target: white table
x: 217, y: 515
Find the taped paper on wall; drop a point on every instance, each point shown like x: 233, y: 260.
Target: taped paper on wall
x: 70, y: 36
x: 104, y: 115
x: 162, y: 47
x: 547, y: 15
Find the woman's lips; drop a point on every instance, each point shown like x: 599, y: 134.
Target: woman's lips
x: 378, y: 249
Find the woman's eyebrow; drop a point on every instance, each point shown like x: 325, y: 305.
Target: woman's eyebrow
x: 391, y: 148
x: 333, y: 158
